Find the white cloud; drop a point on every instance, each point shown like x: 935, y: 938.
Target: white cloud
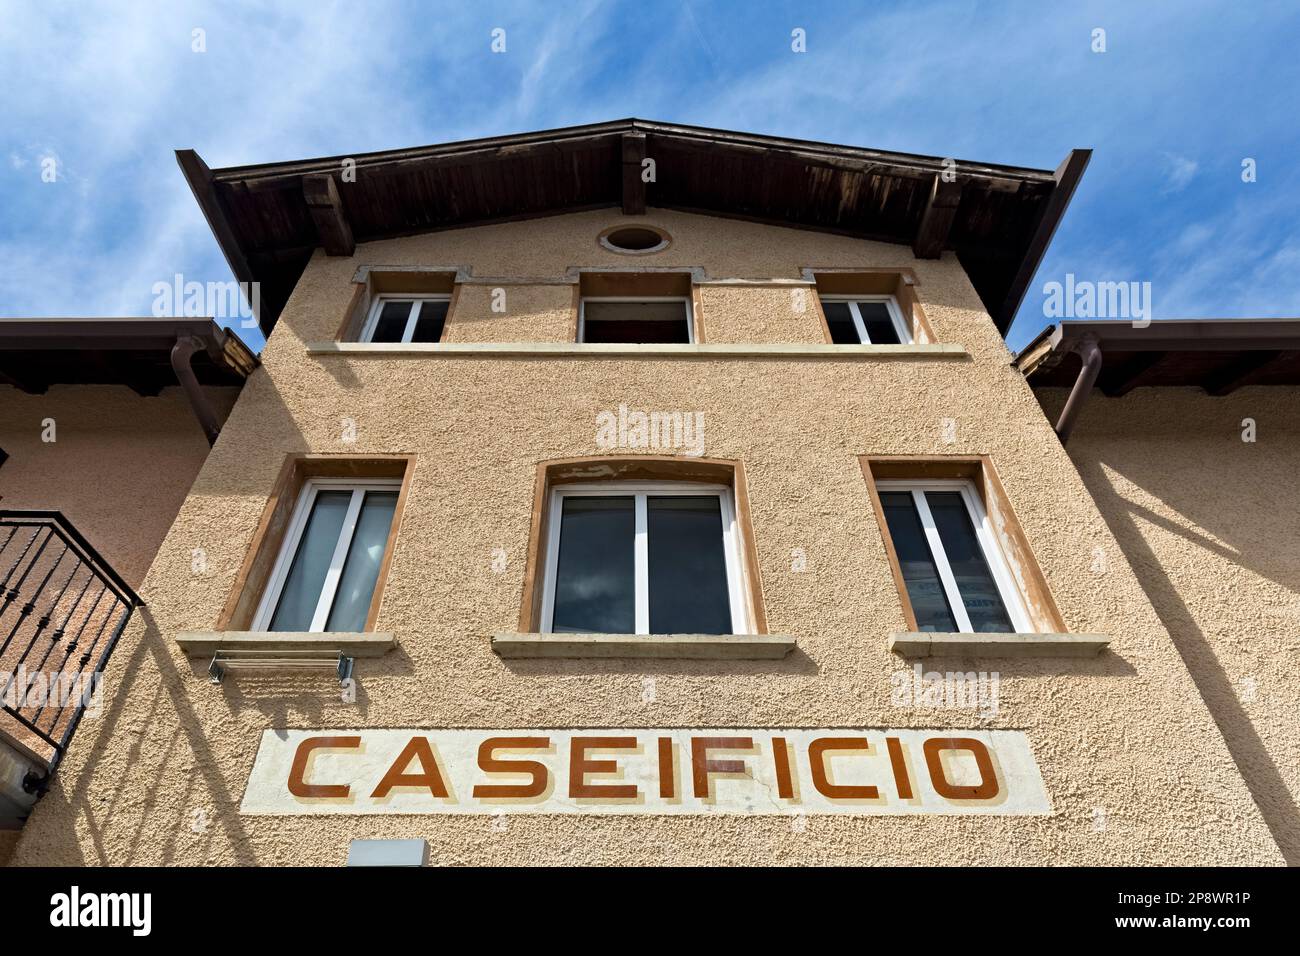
x: 1178, y: 173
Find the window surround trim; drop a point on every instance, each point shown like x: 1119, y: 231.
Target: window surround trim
x: 378, y: 302
x: 900, y: 281
x: 566, y: 472
x: 993, y: 556
x: 640, y: 491
x: 980, y: 470
x: 266, y: 542
x: 686, y: 299
x: 307, y: 495
x: 891, y: 304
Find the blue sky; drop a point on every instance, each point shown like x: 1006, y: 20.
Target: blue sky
x: 1184, y: 92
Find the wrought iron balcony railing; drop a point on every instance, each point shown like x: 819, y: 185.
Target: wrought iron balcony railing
x: 62, y: 610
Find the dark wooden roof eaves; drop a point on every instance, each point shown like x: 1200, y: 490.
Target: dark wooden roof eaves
x: 1217, y: 355
x: 261, y: 218
x: 38, y: 353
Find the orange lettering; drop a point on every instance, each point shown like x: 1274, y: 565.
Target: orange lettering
x: 298, y: 786
x: 988, y: 785
x: 580, y: 765
x: 821, y: 780
x: 781, y: 752
x: 667, y: 773
x: 419, y: 749
x: 702, y: 765
x: 490, y: 764
x: 898, y: 764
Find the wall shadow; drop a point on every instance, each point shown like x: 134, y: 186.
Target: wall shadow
x: 1263, y: 779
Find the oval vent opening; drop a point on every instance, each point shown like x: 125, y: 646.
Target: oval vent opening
x: 634, y: 239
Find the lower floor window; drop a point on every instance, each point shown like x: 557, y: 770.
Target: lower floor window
x: 643, y: 559
x: 324, y: 578
x: 956, y: 578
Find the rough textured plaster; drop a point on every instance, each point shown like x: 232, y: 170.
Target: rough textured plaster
x: 533, y: 313
x: 119, y: 468
x: 1211, y: 525
x: 1126, y: 732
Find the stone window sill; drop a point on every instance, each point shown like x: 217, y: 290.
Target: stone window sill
x: 732, y: 647
x: 207, y: 643
x: 540, y: 350
x: 926, y: 644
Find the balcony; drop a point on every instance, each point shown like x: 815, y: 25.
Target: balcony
x: 62, y: 611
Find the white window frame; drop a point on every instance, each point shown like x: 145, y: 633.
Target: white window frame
x: 293, y: 536
x: 685, y: 299
x: 412, y: 318
x: 1012, y: 599
x: 891, y: 303
x: 640, y: 491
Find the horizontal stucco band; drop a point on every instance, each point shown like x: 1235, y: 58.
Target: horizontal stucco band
x: 942, y: 351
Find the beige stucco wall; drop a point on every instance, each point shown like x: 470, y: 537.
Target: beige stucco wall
x: 159, y: 778
x: 119, y: 467
x: 1211, y: 525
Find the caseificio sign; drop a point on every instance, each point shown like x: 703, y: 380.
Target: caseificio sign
x: 642, y: 771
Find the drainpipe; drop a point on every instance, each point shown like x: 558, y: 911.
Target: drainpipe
x: 1090, y: 352
x: 182, y: 352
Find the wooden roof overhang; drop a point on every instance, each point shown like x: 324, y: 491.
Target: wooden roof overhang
x: 998, y: 220
x: 1218, y: 355
x: 135, y: 352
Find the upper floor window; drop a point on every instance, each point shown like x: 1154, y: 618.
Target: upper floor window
x: 956, y: 577
x: 643, y: 558
x: 406, y: 319
x: 639, y: 320
x: 325, y: 574
x: 865, y: 320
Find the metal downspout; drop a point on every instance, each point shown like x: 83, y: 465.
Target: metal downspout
x: 182, y: 352
x: 1090, y: 352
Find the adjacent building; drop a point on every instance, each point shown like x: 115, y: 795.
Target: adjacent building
x: 1185, y: 434
x: 104, y: 423
x: 639, y: 493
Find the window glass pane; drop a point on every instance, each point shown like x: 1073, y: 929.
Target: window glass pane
x: 428, y: 327
x: 880, y: 327
x: 361, y: 569
x: 688, y: 572
x: 975, y: 583
x: 920, y: 575
x: 594, y: 575
x: 392, y: 321
x: 301, y: 592
x: 634, y: 322
x: 840, y: 321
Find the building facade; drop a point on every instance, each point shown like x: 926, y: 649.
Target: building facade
x: 575, y: 516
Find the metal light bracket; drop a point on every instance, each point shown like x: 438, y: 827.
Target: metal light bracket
x: 228, y: 660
